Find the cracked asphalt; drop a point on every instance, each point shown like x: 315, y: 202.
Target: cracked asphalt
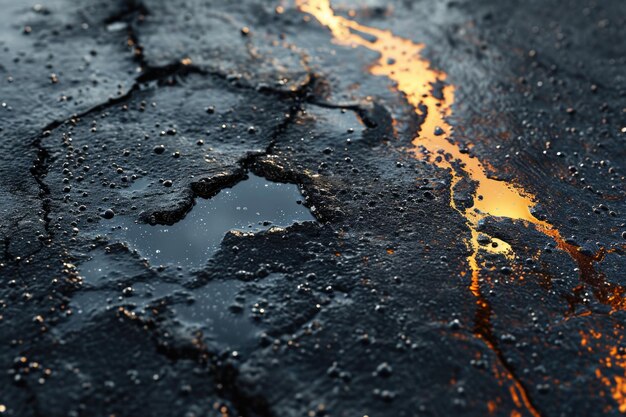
x: 359, y: 298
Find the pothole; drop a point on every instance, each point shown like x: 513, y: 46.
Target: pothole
x: 253, y: 205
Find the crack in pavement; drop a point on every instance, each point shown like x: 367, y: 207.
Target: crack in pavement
x: 227, y: 374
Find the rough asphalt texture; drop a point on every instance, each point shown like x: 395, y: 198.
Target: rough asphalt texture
x: 365, y: 312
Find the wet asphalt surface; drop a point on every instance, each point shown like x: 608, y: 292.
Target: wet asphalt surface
x: 210, y: 208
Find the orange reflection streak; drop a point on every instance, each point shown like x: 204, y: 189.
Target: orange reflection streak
x: 484, y: 331
x: 613, y: 363
x: 400, y: 61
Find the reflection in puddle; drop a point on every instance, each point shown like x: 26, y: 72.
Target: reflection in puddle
x: 211, y: 312
x: 253, y: 205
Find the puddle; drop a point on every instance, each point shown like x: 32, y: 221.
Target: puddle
x: 252, y: 205
x: 211, y: 312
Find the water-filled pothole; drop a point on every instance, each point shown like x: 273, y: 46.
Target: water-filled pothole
x: 253, y: 205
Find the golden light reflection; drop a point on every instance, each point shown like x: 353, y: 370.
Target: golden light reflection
x: 612, y: 366
x: 400, y: 61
